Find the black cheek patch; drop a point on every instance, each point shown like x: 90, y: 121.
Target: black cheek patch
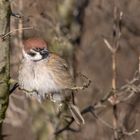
x: 44, y: 53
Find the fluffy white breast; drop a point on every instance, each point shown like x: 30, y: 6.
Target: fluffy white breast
x: 26, y: 75
x: 45, y: 80
x: 35, y: 76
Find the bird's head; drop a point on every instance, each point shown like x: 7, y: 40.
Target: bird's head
x: 35, y: 49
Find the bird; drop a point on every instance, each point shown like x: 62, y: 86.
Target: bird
x: 43, y: 73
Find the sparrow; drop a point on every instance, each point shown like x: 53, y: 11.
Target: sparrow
x: 43, y: 73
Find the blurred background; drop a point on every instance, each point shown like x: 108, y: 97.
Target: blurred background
x: 75, y: 29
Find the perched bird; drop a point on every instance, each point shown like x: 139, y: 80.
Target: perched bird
x: 43, y: 73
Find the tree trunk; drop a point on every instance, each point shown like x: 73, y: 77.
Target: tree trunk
x: 4, y: 59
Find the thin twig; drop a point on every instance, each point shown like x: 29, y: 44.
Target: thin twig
x: 130, y: 133
x: 28, y: 91
x: 15, y: 30
x: 65, y: 128
x: 114, y: 69
x: 139, y: 64
x: 85, y: 85
x: 108, y: 45
x: 16, y: 85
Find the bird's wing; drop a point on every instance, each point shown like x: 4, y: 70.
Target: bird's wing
x: 60, y: 70
x: 57, y: 61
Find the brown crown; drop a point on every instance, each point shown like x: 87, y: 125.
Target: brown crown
x: 34, y: 43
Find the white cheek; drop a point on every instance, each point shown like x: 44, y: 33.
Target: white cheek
x: 37, y: 57
x: 34, y: 58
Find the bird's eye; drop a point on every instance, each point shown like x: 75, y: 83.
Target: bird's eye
x: 31, y: 53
